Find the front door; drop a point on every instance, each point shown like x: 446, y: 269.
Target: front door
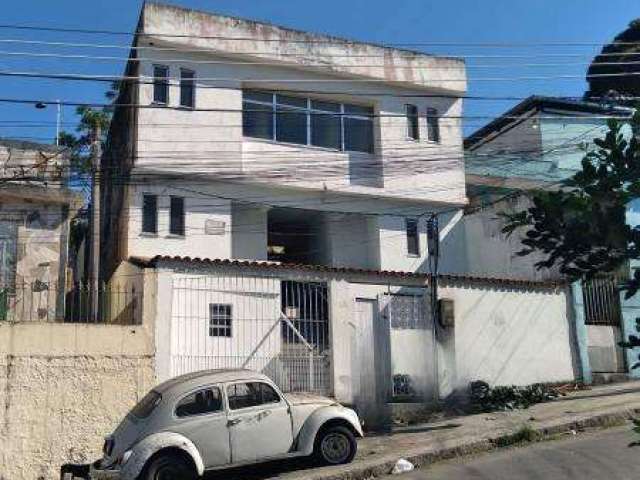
x: 259, y: 422
x: 201, y: 418
x: 364, y: 385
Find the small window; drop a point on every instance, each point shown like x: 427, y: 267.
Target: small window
x: 413, y: 129
x: 161, y: 84
x: 187, y: 88
x: 149, y: 213
x: 413, y: 241
x: 176, y: 216
x: 433, y: 125
x: 325, y: 125
x: 245, y: 395
x: 220, y: 320
x: 203, y: 401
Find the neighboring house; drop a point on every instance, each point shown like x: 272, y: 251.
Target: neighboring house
x: 268, y: 189
x: 35, y: 208
x: 536, y: 145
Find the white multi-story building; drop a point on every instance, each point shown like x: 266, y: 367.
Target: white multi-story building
x: 268, y: 190
x: 243, y: 140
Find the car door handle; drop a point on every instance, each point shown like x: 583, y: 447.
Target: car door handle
x: 235, y: 421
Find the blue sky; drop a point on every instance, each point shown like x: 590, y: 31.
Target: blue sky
x: 400, y: 21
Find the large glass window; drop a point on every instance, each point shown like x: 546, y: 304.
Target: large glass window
x: 305, y: 121
x: 203, y: 401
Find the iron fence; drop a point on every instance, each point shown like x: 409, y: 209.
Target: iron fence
x: 274, y: 326
x: 46, y: 302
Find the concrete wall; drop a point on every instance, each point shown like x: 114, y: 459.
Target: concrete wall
x: 63, y: 387
x: 509, y: 335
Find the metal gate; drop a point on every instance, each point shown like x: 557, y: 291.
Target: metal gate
x: 277, y: 327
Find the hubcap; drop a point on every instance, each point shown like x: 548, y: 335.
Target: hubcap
x: 335, y: 448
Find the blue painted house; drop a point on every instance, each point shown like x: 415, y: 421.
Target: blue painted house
x: 537, y: 144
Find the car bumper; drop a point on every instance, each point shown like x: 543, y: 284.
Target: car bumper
x: 92, y: 471
x: 96, y: 472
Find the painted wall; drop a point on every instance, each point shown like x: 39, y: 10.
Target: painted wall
x: 63, y: 387
x: 510, y: 336
x: 211, y: 142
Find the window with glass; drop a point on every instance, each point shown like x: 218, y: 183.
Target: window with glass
x: 413, y: 240
x: 433, y: 125
x: 207, y: 400
x: 149, y: 213
x: 161, y: 84
x: 176, y: 216
x: 413, y: 129
x: 251, y: 394
x: 305, y: 121
x: 187, y: 88
x: 220, y: 320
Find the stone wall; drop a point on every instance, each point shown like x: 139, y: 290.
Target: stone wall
x: 62, y: 388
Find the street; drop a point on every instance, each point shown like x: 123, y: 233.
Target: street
x: 604, y: 454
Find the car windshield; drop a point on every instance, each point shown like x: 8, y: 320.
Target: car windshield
x: 145, y: 406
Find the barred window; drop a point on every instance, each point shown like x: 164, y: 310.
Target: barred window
x: 220, y: 320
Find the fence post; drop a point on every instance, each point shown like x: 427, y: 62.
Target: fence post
x: 311, y: 371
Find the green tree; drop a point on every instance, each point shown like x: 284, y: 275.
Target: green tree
x: 581, y: 228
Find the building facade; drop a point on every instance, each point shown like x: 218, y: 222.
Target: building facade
x: 35, y: 210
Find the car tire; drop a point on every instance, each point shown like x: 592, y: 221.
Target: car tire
x: 169, y: 467
x: 335, y: 445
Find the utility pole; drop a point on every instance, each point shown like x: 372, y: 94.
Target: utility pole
x: 96, y: 154
x: 58, y: 121
x: 433, y: 252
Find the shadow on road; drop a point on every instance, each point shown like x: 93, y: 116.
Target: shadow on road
x: 262, y: 471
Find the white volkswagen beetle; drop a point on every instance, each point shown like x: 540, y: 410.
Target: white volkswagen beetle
x: 215, y: 419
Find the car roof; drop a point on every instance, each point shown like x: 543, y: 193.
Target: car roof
x: 202, y: 377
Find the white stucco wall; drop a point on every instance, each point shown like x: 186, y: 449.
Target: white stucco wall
x: 508, y: 336
x: 211, y: 142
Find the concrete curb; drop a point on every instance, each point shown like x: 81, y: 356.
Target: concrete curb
x: 382, y: 465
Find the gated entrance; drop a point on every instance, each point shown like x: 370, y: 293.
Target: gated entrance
x: 278, y: 327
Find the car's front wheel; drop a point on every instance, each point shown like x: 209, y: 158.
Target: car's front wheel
x: 169, y: 467
x: 335, y: 445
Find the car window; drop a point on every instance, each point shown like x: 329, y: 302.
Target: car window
x: 251, y: 394
x: 145, y: 406
x: 206, y: 400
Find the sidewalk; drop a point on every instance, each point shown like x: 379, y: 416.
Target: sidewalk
x: 423, y: 444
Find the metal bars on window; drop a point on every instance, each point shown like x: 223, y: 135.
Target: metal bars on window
x: 601, y: 298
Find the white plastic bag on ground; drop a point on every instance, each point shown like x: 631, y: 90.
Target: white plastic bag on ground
x: 402, y: 466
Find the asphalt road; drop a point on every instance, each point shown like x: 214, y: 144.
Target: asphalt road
x: 598, y: 455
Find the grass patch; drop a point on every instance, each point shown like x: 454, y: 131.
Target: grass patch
x: 525, y: 434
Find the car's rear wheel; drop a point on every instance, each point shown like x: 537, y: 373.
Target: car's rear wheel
x: 169, y: 467
x: 335, y: 445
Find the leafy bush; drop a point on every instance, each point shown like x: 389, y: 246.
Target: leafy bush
x: 487, y: 399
